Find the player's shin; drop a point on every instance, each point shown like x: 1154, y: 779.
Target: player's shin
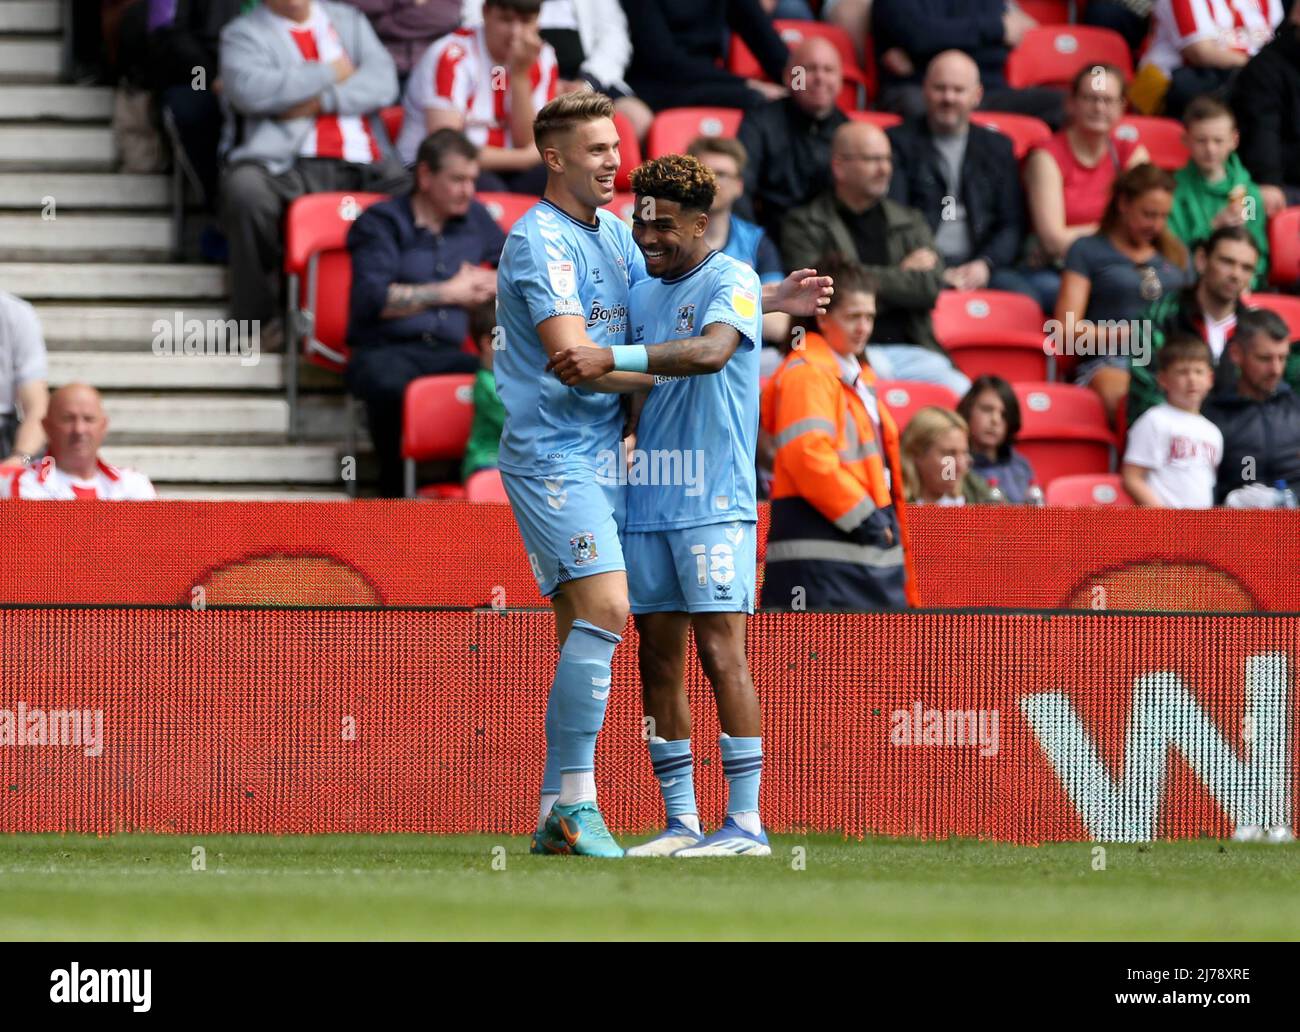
x: 742, y: 764
x: 576, y: 708
x: 674, y: 768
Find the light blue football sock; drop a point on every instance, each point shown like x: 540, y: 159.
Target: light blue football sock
x: 742, y: 763
x: 675, y: 769
x: 575, y: 709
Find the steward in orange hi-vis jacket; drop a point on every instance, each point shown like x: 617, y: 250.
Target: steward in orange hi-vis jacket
x: 838, y: 537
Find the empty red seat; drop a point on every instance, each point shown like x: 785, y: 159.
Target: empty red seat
x: 880, y: 119
x: 993, y: 332
x: 485, y: 486
x: 1285, y: 305
x: 437, y: 414
x: 629, y: 151
x: 904, y: 398
x: 506, y: 208
x: 1063, y: 430
x: 1162, y: 137
x: 673, y: 130
x: 1047, y: 12
x: 622, y: 205
x: 1051, y: 55
x: 1088, y: 489
x: 1284, y: 248
x: 1025, y: 131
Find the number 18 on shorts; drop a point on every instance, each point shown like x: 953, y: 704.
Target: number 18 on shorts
x: 708, y: 569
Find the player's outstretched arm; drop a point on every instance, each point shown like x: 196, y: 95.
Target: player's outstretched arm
x: 690, y: 356
x: 801, y: 293
x: 578, y: 362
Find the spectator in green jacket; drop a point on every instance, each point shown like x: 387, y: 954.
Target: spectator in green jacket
x: 489, y: 413
x: 1214, y: 189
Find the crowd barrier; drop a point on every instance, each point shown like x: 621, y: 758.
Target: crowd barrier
x: 1021, y: 727
x: 461, y: 554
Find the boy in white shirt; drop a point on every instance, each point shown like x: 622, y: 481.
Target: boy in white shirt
x: 1173, y: 452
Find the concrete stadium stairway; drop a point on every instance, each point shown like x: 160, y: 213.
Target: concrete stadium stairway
x: 92, y: 250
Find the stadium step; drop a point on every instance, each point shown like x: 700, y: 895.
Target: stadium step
x: 161, y: 415
x: 85, y: 237
x: 62, y: 191
x: 247, y: 493
x: 112, y: 327
x: 30, y: 16
x: 109, y: 370
x: 41, y: 147
x: 35, y: 281
x: 24, y: 103
x: 224, y: 464
x: 30, y: 60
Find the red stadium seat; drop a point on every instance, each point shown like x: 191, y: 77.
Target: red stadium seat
x: 436, y: 417
x: 1284, y: 248
x: 673, y: 129
x: 1088, y: 489
x: 485, y: 486
x: 1053, y: 54
x: 1026, y: 131
x: 1162, y: 137
x: 629, y: 151
x: 506, y: 208
x: 621, y: 206
x: 904, y: 397
x: 1047, y: 12
x: 880, y: 119
x: 859, y: 83
x: 392, y: 117
x: 994, y: 332
x: 318, y: 282
x: 1063, y: 430
x: 1285, y: 305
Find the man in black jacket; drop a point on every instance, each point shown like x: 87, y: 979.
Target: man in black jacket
x: 963, y: 178
x: 1259, y: 415
x: 1266, y: 101
x: 788, y: 141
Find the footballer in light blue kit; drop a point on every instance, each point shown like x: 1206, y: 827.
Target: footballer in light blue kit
x: 689, y: 539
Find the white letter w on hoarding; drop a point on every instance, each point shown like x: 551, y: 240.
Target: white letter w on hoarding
x: 1251, y: 791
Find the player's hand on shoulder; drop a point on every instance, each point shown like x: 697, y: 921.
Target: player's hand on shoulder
x: 580, y: 363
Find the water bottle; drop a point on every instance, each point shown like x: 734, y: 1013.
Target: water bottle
x: 1285, y: 496
x: 1034, y: 496
x: 996, y: 497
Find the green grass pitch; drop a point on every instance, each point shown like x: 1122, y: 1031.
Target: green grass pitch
x: 465, y: 887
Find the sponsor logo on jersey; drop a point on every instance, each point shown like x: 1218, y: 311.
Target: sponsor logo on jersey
x: 745, y: 302
x: 562, y: 276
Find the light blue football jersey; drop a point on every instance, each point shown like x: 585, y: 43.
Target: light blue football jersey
x: 553, y: 264
x: 694, y: 458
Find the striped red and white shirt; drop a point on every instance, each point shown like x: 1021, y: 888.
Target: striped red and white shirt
x: 457, y: 73
x: 1244, y: 25
x: 344, y: 137
x: 45, y: 481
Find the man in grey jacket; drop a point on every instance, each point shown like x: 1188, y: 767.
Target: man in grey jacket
x: 305, y: 79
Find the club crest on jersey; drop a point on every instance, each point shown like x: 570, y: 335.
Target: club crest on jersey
x: 745, y: 302
x: 584, y: 548
x: 685, y: 319
x: 563, y: 278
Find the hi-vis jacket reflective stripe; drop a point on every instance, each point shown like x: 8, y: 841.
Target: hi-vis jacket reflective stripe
x: 827, y: 454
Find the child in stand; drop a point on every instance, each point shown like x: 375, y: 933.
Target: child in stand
x: 993, y: 414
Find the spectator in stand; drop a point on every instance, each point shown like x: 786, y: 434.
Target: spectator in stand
x: 909, y: 33
x: 937, y: 462
x: 679, y: 53
x: 1266, y: 98
x: 1259, y: 415
x: 489, y: 412
x: 788, y: 140
x: 593, y: 48
x: 1207, y: 309
x: 992, y: 412
x: 416, y: 263
x: 72, y: 469
x: 1068, y: 181
x: 853, y: 16
x: 838, y: 538
x: 1213, y: 189
x: 1173, y: 452
x: 179, y: 49
x: 895, y: 244
x: 729, y: 233
x: 963, y: 178
x: 1130, y: 18
x: 23, y: 382
x: 407, y: 27
x: 306, y: 78
x: 488, y: 82
x: 1114, y: 276
x: 1200, y: 45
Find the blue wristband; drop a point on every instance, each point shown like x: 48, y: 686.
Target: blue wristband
x: 631, y: 358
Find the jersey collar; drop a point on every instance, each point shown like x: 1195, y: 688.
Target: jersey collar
x: 691, y: 272
x: 577, y: 222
